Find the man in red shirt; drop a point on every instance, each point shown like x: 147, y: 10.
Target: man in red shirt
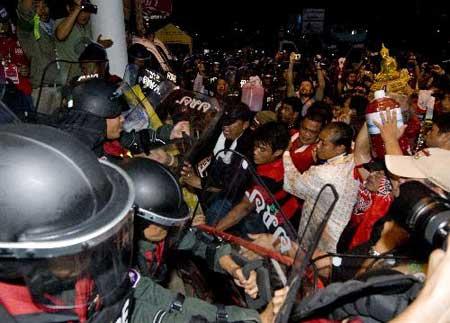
x: 14, y: 64
x: 270, y: 141
x: 303, y: 143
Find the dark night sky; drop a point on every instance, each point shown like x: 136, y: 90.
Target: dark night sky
x: 410, y: 22
x: 410, y: 19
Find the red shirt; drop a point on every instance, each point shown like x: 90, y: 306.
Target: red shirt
x: 114, y: 148
x: 272, y: 175
x: 10, y: 49
x: 302, y: 156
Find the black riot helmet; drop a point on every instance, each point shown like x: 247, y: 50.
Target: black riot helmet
x: 142, y: 57
x: 98, y: 97
x: 159, y: 197
x: 138, y: 51
x: 67, y: 222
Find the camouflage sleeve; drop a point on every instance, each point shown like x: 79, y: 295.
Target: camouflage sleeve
x: 164, y: 131
x: 206, y: 247
x: 152, y: 303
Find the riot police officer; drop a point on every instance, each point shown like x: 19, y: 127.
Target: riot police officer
x: 66, y: 239
x: 95, y: 117
x: 161, y: 224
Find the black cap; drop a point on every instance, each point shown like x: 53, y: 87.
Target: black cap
x: 93, y: 52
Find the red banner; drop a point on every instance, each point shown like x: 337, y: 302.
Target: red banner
x: 161, y: 6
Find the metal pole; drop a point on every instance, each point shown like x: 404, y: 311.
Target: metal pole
x: 110, y: 23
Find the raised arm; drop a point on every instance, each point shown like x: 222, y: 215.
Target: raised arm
x: 65, y: 27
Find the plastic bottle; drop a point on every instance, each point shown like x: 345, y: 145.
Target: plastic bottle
x: 380, y: 103
x: 253, y: 94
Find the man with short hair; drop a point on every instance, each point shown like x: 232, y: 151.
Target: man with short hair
x: 216, y: 163
x: 270, y: 141
x: 307, y: 93
x: 349, y: 85
x: 289, y: 113
x: 439, y: 136
x: 336, y: 166
x: 304, y: 142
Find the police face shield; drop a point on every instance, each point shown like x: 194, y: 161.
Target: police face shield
x: 74, y: 261
x: 172, y: 223
x: 85, y: 281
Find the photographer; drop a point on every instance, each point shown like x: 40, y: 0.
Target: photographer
x: 432, y: 221
x: 73, y: 33
x: 306, y: 91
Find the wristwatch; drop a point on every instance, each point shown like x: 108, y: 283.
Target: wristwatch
x: 373, y: 252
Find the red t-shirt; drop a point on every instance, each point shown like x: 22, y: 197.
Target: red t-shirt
x: 272, y: 174
x: 302, y: 156
x: 11, y: 49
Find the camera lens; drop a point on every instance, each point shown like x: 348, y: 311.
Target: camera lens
x: 423, y: 213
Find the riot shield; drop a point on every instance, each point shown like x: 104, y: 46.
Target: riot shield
x: 164, y: 102
x: 316, y: 222
x: 203, y: 113
x: 155, y: 86
x: 243, y: 200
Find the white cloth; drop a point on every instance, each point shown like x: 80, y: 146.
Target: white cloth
x: 198, y: 84
x: 337, y: 171
x: 220, y: 145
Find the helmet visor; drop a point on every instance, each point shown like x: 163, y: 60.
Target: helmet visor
x: 86, y: 281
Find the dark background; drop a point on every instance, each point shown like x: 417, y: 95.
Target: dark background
x: 410, y: 24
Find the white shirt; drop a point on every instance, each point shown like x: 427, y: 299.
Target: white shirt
x: 337, y: 171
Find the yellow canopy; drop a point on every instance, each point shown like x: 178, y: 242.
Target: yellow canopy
x: 171, y: 34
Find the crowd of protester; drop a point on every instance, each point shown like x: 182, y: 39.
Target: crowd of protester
x: 302, y: 127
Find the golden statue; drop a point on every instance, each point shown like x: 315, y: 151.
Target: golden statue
x: 388, y: 66
x: 389, y: 76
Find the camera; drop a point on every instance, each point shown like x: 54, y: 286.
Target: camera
x: 319, y: 61
x: 424, y: 213
x: 297, y: 57
x: 85, y: 5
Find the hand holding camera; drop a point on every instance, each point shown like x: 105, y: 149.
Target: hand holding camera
x: 294, y: 57
x: 319, y: 61
x: 86, y: 5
